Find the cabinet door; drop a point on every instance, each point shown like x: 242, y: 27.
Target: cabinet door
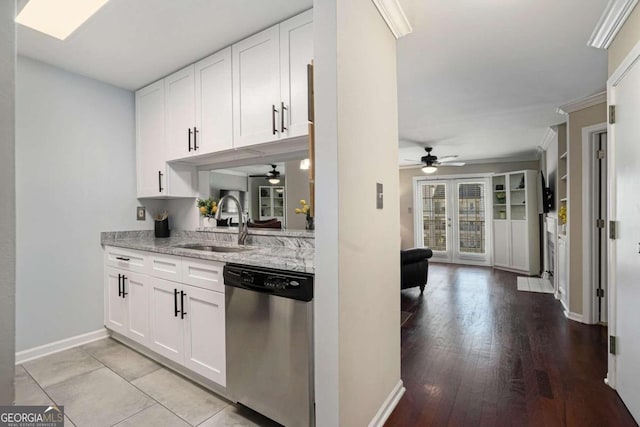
x: 137, y: 296
x: 519, y: 240
x: 150, y: 140
x: 256, y: 88
x: 214, y: 129
x: 296, y: 51
x: 205, y: 333
x: 166, y: 329
x: 501, y: 243
x: 115, y: 313
x: 180, y: 108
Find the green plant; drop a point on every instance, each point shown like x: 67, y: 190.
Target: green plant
x: 207, y: 207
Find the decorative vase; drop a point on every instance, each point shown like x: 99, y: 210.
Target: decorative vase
x: 310, y: 224
x: 208, y: 222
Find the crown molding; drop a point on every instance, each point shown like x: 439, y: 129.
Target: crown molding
x: 581, y: 104
x: 611, y: 21
x: 394, y: 16
x: 547, y: 139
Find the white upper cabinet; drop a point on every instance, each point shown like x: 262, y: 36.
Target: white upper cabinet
x: 296, y: 52
x: 180, y: 113
x: 270, y: 90
x: 156, y: 178
x: 150, y: 147
x: 256, y: 88
x: 213, y: 129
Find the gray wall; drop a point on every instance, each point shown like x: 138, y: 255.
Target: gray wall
x: 75, y: 161
x: 7, y: 195
x: 406, y: 188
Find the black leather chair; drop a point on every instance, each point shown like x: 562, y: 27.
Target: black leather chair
x: 414, y: 267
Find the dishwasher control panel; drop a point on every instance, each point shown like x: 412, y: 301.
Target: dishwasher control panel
x: 286, y: 284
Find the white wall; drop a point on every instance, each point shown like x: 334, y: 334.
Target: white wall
x: 75, y: 161
x: 357, y: 245
x: 7, y: 196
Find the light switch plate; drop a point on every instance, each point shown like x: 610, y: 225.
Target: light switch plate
x: 379, y: 196
x: 141, y: 213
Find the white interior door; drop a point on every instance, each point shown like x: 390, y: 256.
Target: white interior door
x: 434, y: 218
x: 625, y: 210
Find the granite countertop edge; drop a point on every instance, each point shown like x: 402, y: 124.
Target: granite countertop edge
x: 281, y: 258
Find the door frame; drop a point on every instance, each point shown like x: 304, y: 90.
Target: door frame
x: 632, y: 59
x: 417, y: 203
x: 589, y: 301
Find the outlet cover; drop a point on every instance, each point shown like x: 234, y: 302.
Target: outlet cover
x: 141, y: 213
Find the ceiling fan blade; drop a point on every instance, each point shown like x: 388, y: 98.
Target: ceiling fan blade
x: 447, y: 159
x: 453, y: 164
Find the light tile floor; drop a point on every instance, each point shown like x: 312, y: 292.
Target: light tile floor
x: 108, y: 384
x: 535, y: 284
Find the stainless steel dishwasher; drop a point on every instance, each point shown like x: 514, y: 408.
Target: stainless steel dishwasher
x: 269, y: 338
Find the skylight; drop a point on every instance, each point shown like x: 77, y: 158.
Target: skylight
x: 58, y: 18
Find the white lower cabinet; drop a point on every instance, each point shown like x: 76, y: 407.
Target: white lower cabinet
x: 182, y: 319
x: 127, y: 304
x: 204, y: 333
x: 167, y: 337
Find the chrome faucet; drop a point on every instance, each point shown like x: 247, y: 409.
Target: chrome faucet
x: 243, y: 231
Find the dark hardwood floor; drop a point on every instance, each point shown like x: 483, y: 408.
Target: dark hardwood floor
x: 477, y: 352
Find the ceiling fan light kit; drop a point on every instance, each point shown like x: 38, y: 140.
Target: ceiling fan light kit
x: 429, y: 169
x: 431, y: 162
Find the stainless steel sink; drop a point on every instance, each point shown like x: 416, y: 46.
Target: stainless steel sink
x: 213, y: 248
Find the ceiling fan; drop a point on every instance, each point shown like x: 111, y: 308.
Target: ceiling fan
x: 273, y: 175
x: 431, y: 162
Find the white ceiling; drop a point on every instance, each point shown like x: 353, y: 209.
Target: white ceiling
x: 131, y: 43
x: 477, y: 78
x: 482, y: 78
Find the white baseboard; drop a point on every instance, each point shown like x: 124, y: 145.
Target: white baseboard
x: 55, y: 347
x: 573, y: 316
x: 388, y: 406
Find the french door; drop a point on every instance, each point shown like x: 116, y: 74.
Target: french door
x: 452, y: 219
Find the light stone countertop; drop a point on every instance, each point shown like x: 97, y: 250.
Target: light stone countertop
x: 299, y: 259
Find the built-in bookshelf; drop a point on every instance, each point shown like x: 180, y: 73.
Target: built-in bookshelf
x: 562, y: 195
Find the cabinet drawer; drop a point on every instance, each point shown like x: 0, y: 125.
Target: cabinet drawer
x: 125, y: 259
x: 203, y: 274
x: 167, y: 267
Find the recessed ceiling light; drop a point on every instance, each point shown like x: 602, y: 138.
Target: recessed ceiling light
x: 58, y: 18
